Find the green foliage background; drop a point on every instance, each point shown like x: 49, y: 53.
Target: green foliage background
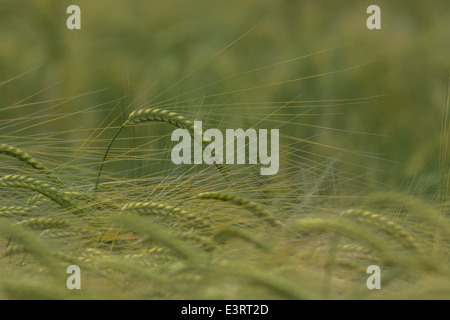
x: 142, y: 48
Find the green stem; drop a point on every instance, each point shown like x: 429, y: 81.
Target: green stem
x: 104, y: 157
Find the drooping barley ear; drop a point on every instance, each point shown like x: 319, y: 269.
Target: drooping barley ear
x: 175, y: 119
x: 46, y: 189
x: 159, y: 254
x: 353, y: 248
x: 16, y: 210
x: 37, y: 199
x: 414, y: 207
x: 155, y: 114
x: 92, y: 201
x: 205, y: 242
x: 247, y: 204
x: 165, y: 210
x: 44, y: 223
x: 145, y: 207
x: 29, y: 160
x: 72, y: 232
x: 228, y: 233
x: 159, y: 115
x: 389, y: 227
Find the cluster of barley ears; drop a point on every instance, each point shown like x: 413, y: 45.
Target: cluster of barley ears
x: 194, y: 236
x: 185, y: 245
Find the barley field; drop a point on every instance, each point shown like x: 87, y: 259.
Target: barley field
x: 87, y: 178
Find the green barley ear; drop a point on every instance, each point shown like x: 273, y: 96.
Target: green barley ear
x: 173, y: 118
x: 158, y: 115
x: 16, y: 285
x: 76, y: 232
x: 247, y: 204
x: 16, y: 210
x: 155, y: 114
x: 382, y: 223
x: 415, y: 207
x: 29, y: 160
x: 163, y: 210
x: 44, y: 223
x: 205, y: 242
x: 36, y: 199
x: 46, y: 189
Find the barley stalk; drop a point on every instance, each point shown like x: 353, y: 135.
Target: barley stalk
x: 144, y: 207
x: 247, y: 204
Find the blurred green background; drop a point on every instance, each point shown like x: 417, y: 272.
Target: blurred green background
x: 196, y: 57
